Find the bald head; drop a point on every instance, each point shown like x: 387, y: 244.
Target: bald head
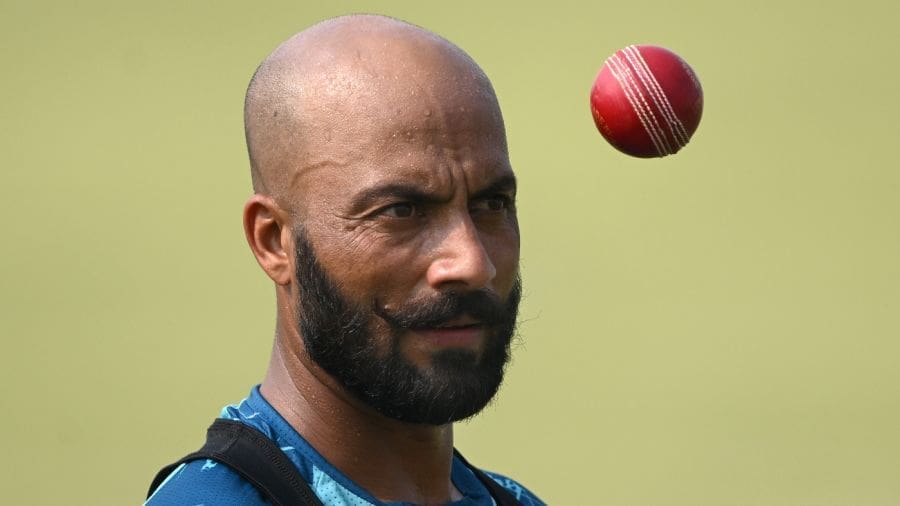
x: 328, y: 94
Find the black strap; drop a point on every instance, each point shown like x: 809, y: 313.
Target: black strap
x: 259, y: 461
x: 502, y: 496
x: 253, y: 456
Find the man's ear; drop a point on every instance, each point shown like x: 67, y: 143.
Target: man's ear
x: 269, y: 237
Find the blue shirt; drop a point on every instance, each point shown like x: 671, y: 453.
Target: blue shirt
x: 208, y: 483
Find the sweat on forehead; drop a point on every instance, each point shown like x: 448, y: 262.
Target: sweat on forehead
x: 332, y: 81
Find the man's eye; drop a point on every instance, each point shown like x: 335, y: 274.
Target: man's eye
x: 400, y: 210
x: 493, y: 204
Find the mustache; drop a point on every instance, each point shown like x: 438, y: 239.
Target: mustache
x: 485, y: 307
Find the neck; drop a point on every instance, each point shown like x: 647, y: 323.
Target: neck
x: 392, y: 460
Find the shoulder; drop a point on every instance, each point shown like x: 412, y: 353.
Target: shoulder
x: 522, y: 494
x: 205, y: 482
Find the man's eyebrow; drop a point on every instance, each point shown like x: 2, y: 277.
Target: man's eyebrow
x: 394, y: 190
x: 414, y: 193
x: 503, y: 184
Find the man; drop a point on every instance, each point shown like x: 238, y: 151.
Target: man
x: 384, y: 212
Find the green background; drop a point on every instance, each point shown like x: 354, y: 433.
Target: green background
x: 719, y: 327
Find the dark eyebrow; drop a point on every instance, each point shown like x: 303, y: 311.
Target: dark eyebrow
x: 403, y: 191
x: 503, y: 184
x: 413, y: 193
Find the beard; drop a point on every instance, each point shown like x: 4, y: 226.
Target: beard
x: 338, y: 336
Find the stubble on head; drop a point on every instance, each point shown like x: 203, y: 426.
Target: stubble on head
x: 327, y: 86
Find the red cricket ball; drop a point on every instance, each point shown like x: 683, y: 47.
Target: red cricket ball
x: 646, y: 101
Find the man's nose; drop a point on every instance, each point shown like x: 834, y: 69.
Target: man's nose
x: 461, y: 258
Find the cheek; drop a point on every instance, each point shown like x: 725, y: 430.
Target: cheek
x: 382, y: 336
x: 369, y: 265
x: 502, y: 247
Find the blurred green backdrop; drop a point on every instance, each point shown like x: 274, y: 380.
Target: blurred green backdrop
x: 719, y: 327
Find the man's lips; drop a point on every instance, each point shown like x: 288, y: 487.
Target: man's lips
x: 465, y: 332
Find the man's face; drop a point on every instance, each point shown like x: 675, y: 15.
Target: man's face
x: 407, y: 261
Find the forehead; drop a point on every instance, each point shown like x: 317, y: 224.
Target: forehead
x: 436, y: 160
x: 433, y: 159
x: 424, y: 136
